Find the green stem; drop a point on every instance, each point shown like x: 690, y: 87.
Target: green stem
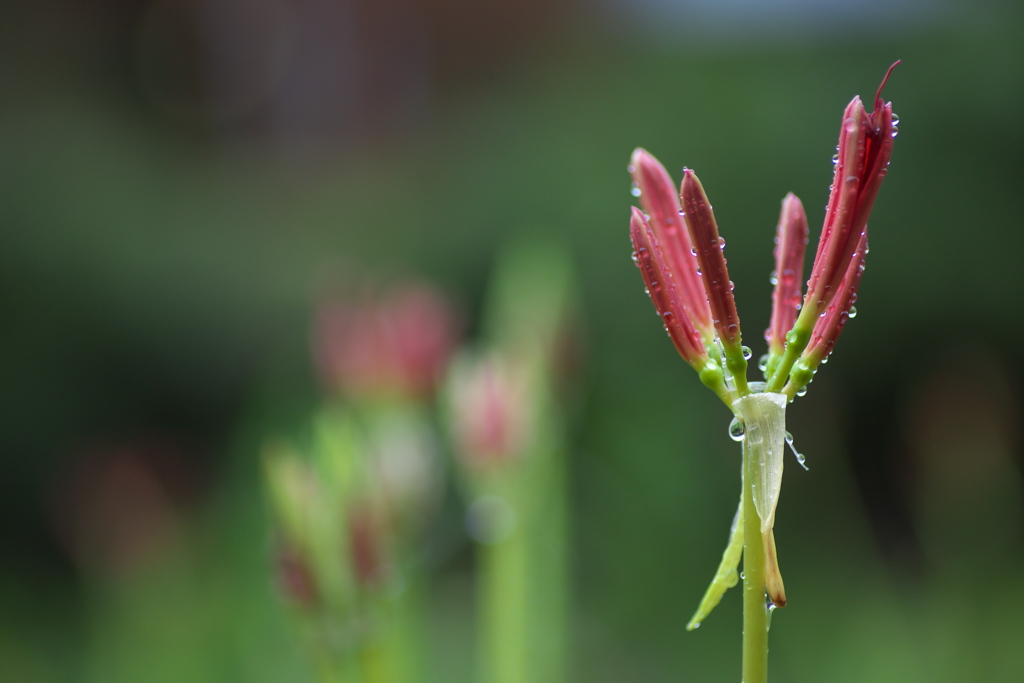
x: 755, y: 614
x: 549, y: 574
x: 333, y: 664
x: 504, y: 609
x: 796, y: 341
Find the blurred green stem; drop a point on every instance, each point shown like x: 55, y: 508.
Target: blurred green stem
x: 755, y: 613
x: 336, y: 666
x: 549, y: 587
x: 505, y: 608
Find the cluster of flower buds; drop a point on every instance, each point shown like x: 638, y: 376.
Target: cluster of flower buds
x: 395, y: 344
x: 335, y: 536
x: 680, y: 254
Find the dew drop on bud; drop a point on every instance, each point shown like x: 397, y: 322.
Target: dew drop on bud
x: 747, y: 353
x: 736, y: 430
x: 762, y: 363
x: 636, y: 190
x: 853, y: 312
x: 802, y: 391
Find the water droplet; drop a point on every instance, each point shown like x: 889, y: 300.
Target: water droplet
x: 774, y: 277
x: 895, y: 119
x: 853, y: 311
x: 835, y: 158
x: 799, y: 456
x: 721, y: 243
x: 743, y: 576
x: 693, y: 251
x: 762, y: 363
x: 698, y: 271
x: 630, y: 168
x: 736, y: 430
x: 636, y: 190
x: 747, y: 353
x: 732, y: 285
x: 802, y: 391
x: 490, y: 519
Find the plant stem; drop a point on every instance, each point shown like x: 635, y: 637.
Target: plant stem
x: 549, y: 574
x: 504, y: 609
x: 755, y: 614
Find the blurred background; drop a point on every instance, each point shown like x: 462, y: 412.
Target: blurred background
x: 181, y: 178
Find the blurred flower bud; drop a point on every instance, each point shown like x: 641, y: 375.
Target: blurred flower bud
x: 490, y: 410
x: 117, y: 511
x: 395, y: 344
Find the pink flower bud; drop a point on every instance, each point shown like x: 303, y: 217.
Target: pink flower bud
x: 390, y: 345
x: 827, y: 329
x: 661, y: 287
x: 790, y: 243
x: 660, y: 202
x: 708, y: 245
x: 865, y: 145
x: 491, y: 418
x: 294, y: 577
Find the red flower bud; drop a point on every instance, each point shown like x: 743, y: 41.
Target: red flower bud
x: 660, y: 202
x: 700, y: 222
x: 661, y: 287
x: 790, y: 243
x: 827, y: 329
x: 865, y: 145
x: 490, y: 410
x: 392, y: 345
